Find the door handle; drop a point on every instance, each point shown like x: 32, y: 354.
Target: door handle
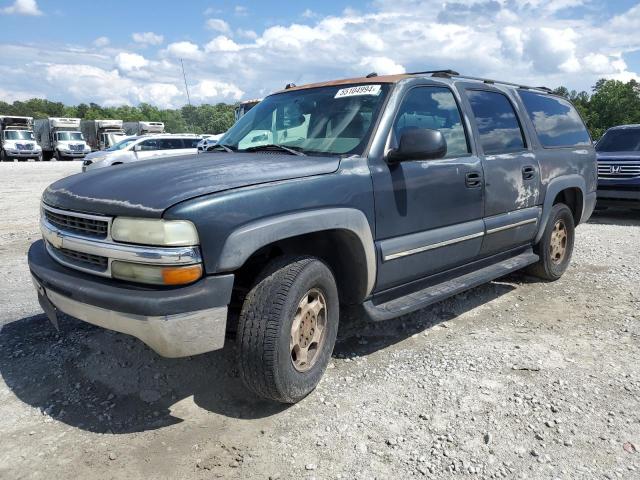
x: 528, y: 172
x: 473, y: 179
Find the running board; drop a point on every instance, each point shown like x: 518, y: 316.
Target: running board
x: 435, y: 293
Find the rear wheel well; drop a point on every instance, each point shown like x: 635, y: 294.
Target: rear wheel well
x: 572, y: 198
x: 341, y: 250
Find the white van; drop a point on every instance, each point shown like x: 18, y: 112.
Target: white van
x: 144, y: 147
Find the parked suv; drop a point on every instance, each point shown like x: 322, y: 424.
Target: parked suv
x: 618, y: 154
x: 143, y: 147
x: 389, y: 192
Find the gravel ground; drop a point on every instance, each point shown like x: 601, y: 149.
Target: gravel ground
x: 514, y: 379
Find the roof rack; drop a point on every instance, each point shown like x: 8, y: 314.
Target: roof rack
x: 453, y: 73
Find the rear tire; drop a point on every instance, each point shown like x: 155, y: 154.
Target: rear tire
x: 287, y: 329
x: 556, y: 245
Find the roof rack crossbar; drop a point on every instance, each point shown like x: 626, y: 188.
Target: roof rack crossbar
x: 452, y: 73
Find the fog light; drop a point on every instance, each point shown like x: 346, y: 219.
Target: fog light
x: 156, y: 274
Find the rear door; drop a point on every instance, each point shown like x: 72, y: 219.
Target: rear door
x: 511, y: 170
x: 171, y: 147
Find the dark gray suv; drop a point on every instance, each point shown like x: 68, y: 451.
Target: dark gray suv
x: 390, y: 192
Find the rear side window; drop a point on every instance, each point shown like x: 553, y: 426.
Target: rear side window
x: 499, y: 127
x: 556, y: 121
x: 191, y: 142
x: 434, y: 108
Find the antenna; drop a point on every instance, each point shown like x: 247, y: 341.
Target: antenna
x: 186, y: 87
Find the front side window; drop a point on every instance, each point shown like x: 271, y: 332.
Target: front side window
x: 499, y: 127
x: 149, y: 145
x: 121, y: 145
x: 434, y: 108
x: 334, y: 120
x: 620, y: 140
x: 556, y: 121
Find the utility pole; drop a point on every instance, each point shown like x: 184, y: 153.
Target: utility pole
x: 186, y: 87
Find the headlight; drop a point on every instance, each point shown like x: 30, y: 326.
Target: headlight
x: 155, y: 274
x: 167, y: 233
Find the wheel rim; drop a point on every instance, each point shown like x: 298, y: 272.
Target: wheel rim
x: 558, y: 243
x: 308, y: 330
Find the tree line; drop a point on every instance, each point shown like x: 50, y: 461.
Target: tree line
x: 204, y: 118
x: 610, y: 103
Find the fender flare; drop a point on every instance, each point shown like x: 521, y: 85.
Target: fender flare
x: 554, y: 187
x: 246, y: 240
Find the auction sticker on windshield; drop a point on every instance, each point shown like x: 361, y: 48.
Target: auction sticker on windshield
x: 359, y: 90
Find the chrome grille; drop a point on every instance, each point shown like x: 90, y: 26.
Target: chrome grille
x: 24, y: 146
x: 71, y: 223
x: 76, y: 148
x: 81, y: 259
x: 610, y: 170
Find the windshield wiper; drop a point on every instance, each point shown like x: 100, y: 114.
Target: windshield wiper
x: 274, y: 146
x: 220, y: 145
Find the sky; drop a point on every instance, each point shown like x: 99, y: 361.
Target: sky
x: 114, y: 53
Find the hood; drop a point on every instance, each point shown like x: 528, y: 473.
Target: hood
x: 148, y: 188
x: 633, y: 155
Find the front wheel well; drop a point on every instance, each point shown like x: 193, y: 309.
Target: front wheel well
x: 341, y: 250
x: 572, y: 198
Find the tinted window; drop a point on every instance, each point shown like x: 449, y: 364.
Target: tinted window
x: 169, y: 143
x: 556, y: 121
x: 620, y: 140
x: 434, y: 108
x: 149, y: 145
x: 498, y: 124
x: 191, y: 142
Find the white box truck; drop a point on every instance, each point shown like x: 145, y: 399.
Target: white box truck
x: 143, y: 128
x: 61, y: 138
x: 17, y: 140
x: 102, y: 134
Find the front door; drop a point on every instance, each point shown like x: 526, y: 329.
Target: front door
x: 511, y: 171
x: 428, y: 212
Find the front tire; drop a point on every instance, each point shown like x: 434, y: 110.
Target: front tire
x: 287, y: 329
x: 3, y: 156
x: 556, y: 245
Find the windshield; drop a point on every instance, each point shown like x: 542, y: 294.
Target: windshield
x: 121, y: 145
x: 18, y: 135
x: 66, y: 136
x: 334, y: 120
x: 620, y: 140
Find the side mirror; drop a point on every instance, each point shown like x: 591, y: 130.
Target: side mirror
x: 419, y: 144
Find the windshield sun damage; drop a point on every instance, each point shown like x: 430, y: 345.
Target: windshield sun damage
x: 18, y: 135
x: 66, y: 136
x: 620, y: 140
x: 335, y: 120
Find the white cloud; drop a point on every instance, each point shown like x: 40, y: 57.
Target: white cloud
x: 381, y: 65
x: 18, y: 95
x: 128, y: 62
x: 185, y: 49
x: 221, y: 44
x: 22, y: 7
x: 208, y: 90
x: 147, y: 38
x: 527, y: 41
x: 218, y: 25
x: 101, y: 42
x: 241, y: 10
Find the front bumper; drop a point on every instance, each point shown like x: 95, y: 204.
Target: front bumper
x: 175, y: 322
x: 618, y: 197
x: 23, y: 154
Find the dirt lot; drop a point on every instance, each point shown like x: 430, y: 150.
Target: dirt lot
x: 515, y: 379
